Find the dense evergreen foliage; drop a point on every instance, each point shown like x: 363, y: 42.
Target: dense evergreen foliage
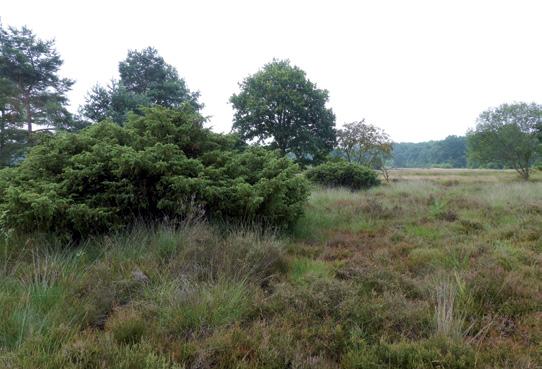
x: 448, y: 153
x: 13, y: 137
x: 161, y: 164
x: 145, y: 80
x: 32, y: 93
x: 341, y: 173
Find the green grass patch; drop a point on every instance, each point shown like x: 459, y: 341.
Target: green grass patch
x: 423, y: 232
x: 303, y: 269
x: 193, y: 307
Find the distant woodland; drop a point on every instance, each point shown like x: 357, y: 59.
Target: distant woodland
x: 448, y: 153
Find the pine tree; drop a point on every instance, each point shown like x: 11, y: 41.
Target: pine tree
x: 36, y: 93
x: 12, y: 134
x: 145, y: 80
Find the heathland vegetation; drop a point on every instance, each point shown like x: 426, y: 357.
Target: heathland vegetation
x: 133, y: 237
x: 441, y: 268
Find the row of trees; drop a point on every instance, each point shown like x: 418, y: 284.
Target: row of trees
x: 507, y: 136
x: 448, y: 153
x: 278, y: 107
x: 33, y: 95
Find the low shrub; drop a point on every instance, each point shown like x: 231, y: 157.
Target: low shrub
x: 162, y: 164
x: 343, y: 174
x: 434, y: 353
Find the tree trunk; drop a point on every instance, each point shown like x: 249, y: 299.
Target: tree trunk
x: 282, y: 146
x: 347, y: 152
x: 526, y: 173
x: 523, y: 172
x: 28, y: 111
x: 2, y: 128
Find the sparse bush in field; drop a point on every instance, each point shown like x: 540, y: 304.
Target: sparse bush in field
x: 343, y: 174
x: 423, y: 260
x: 93, y: 351
x: 321, y: 297
x: 440, y: 211
x: 261, y: 345
x: 161, y: 164
x: 391, y: 315
x: 497, y: 291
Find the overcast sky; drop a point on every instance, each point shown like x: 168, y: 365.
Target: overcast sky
x: 419, y: 69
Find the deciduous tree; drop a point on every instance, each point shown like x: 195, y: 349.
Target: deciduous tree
x: 507, y: 135
x: 279, y: 106
x: 365, y: 144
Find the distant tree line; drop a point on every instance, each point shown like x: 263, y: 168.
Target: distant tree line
x: 448, y: 153
x: 278, y: 108
x: 506, y: 137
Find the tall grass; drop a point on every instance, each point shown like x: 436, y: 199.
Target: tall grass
x: 513, y: 194
x: 448, y: 322
x: 436, y: 269
x: 196, y: 278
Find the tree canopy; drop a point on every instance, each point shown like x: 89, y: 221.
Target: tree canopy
x: 145, y: 80
x: 279, y: 106
x: 12, y: 135
x: 364, y: 144
x: 32, y: 93
x: 508, y: 135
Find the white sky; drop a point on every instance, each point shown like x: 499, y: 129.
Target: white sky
x: 419, y: 69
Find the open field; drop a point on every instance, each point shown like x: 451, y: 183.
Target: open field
x: 462, y: 175
x: 439, y: 269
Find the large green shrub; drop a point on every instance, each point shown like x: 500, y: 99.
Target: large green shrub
x: 161, y: 164
x: 343, y: 174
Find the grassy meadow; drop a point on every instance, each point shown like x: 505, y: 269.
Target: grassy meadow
x: 438, y: 269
